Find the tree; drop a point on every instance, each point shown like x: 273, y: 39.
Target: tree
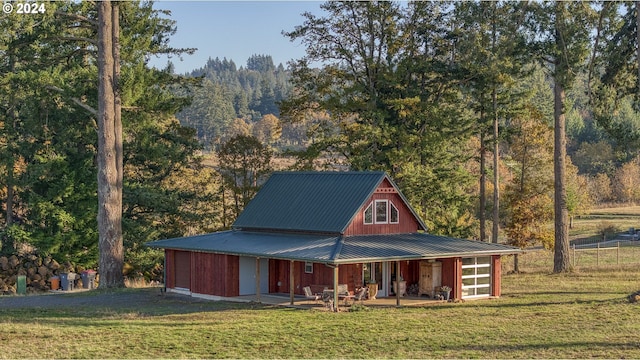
x: 490, y: 48
x: 56, y: 190
x: 388, y: 82
x: 560, y: 38
x: 244, y: 164
x: 627, y: 182
x: 599, y: 188
x: 268, y: 130
x: 109, y: 148
x: 528, y: 194
x: 614, y: 76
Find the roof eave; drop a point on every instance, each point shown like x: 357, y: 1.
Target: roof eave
x: 428, y: 257
x: 255, y: 255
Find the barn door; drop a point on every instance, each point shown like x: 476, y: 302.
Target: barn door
x: 248, y: 276
x: 183, y: 269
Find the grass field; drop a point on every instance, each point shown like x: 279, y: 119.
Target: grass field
x: 589, y: 226
x: 584, y: 314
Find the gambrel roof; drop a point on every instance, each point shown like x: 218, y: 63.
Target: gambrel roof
x: 317, y: 202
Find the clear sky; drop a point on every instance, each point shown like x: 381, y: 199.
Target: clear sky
x: 235, y: 30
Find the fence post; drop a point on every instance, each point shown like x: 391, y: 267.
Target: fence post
x: 574, y: 255
x: 598, y: 255
x: 618, y: 254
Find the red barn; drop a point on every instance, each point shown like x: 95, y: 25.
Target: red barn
x: 313, y: 228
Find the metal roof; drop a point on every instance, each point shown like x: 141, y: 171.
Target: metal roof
x: 303, y: 247
x: 309, y: 201
x: 320, y: 202
x: 330, y: 249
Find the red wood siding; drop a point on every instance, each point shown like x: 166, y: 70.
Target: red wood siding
x: 182, y: 269
x: 170, y: 273
x: 407, y: 222
x: 215, y: 274
x: 203, y: 273
x: 278, y: 276
x: 452, y: 276
x: 322, y: 276
x: 496, y: 276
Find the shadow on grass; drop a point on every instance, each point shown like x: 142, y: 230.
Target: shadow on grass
x: 572, y: 347
x: 144, y: 302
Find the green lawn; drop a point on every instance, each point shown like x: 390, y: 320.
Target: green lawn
x: 579, y: 315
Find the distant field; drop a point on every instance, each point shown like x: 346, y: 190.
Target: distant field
x: 590, y: 226
x: 618, y: 211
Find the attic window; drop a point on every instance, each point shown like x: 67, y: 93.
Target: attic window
x: 381, y: 212
x: 393, y: 213
x: 368, y: 214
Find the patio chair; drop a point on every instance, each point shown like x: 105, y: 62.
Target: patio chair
x: 361, y: 294
x: 311, y: 296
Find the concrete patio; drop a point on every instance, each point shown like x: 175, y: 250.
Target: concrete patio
x: 304, y: 303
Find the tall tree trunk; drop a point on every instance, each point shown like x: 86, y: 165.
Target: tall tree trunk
x: 483, y: 186
x: 561, y: 261
x: 109, y: 195
x: 561, y: 70
x: 496, y: 171
x: 496, y: 154
x: 638, y: 52
x: 115, y: 16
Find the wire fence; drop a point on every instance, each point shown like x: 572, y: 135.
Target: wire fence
x: 606, y: 254
x: 599, y: 255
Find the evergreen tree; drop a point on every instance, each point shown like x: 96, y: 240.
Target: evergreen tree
x: 388, y: 83
x: 560, y: 37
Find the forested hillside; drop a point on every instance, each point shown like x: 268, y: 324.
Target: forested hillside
x: 233, y: 100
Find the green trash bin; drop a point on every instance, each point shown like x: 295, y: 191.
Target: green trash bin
x: 21, y: 285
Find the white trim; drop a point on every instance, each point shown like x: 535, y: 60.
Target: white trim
x: 373, y: 207
x: 393, y: 207
x: 306, y: 264
x: 473, y: 289
x: 375, y: 212
x: 181, y: 291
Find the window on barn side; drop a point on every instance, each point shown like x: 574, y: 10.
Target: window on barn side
x: 368, y: 214
x: 393, y: 213
x: 381, y: 212
x: 382, y: 215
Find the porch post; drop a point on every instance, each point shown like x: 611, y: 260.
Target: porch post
x: 335, y: 288
x: 258, y: 279
x: 397, y: 290
x: 291, y: 281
